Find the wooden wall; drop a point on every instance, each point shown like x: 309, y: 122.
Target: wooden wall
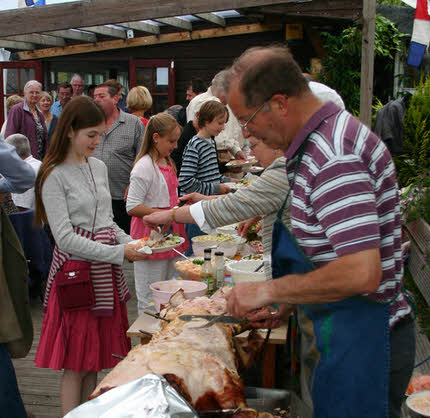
x: 202, y: 58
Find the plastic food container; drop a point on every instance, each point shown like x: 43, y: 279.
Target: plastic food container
x: 229, y: 248
x: 418, y: 404
x: 228, y: 229
x: 243, y: 271
x: 162, y: 291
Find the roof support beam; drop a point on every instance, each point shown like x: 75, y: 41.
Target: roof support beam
x: 78, y: 14
x: 39, y: 39
x: 26, y: 46
x: 150, y: 40
x: 212, y: 18
x: 141, y: 26
x: 75, y: 35
x: 106, y: 31
x: 176, y: 22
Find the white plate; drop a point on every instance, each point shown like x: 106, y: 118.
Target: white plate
x: 239, y: 163
x: 159, y: 249
x: 255, y: 169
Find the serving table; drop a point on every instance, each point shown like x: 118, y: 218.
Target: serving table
x: 146, y: 325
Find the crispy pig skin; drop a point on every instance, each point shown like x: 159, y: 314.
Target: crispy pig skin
x: 201, y: 363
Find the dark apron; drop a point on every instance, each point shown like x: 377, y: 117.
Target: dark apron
x: 345, y: 345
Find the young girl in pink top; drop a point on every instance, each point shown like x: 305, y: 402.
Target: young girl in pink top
x: 154, y: 186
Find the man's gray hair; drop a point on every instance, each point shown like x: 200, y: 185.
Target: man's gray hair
x: 76, y: 76
x: 21, y: 144
x: 220, y: 82
x: 31, y: 83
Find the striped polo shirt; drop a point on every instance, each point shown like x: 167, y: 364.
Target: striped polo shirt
x: 200, y: 170
x: 345, y: 198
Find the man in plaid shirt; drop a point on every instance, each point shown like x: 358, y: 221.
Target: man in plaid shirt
x: 118, y: 149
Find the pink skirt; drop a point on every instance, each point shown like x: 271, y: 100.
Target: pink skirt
x: 79, y: 340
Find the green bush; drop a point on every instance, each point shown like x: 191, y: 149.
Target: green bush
x: 342, y: 64
x: 415, y: 158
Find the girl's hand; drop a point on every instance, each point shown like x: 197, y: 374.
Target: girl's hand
x: 131, y: 253
x: 161, y: 217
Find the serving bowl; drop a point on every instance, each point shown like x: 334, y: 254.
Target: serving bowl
x: 244, y: 271
x: 230, y: 248
x: 162, y: 291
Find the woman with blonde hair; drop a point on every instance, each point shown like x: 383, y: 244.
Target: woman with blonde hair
x: 72, y: 196
x: 153, y: 187
x: 139, y: 100
x: 45, y: 103
x: 11, y: 101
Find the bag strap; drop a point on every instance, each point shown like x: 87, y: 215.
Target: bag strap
x: 97, y: 202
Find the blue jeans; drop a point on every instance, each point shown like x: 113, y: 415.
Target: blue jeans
x: 11, y: 405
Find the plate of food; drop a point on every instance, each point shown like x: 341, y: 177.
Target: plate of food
x: 158, y: 243
x: 255, y: 169
x: 239, y: 163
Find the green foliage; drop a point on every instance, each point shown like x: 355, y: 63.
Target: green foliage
x: 342, y: 65
x: 415, y: 200
x: 392, y: 2
x: 415, y: 159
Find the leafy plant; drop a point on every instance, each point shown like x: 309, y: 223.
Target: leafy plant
x: 342, y: 65
x: 415, y: 158
x: 415, y: 200
x: 392, y: 2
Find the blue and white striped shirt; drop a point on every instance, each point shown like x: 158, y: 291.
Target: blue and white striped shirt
x: 200, y: 170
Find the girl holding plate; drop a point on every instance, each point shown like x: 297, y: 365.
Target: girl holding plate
x: 154, y: 187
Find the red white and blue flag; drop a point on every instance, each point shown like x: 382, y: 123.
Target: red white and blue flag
x: 420, y: 35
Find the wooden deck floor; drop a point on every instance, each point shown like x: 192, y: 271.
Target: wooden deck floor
x: 40, y: 388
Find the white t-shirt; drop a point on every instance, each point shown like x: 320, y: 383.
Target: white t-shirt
x: 26, y: 199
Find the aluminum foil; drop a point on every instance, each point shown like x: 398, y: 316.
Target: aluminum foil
x: 149, y: 396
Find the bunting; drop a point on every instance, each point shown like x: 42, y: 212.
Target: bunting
x: 420, y: 35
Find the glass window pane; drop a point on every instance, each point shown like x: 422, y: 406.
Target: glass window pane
x: 26, y: 74
x: 162, y: 80
x: 11, y: 84
x: 144, y: 77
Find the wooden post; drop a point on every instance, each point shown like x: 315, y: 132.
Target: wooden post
x: 367, y: 61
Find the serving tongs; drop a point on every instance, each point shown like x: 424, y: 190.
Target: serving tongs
x: 219, y: 412
x: 156, y: 315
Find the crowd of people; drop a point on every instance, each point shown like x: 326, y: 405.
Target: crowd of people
x: 108, y: 173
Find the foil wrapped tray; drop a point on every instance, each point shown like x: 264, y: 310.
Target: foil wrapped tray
x: 150, y: 396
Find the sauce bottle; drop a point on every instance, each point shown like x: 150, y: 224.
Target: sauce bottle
x: 207, y: 273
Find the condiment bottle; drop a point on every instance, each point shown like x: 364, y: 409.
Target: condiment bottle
x: 219, y: 269
x: 207, y: 273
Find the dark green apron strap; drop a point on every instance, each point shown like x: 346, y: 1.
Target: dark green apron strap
x: 296, y: 169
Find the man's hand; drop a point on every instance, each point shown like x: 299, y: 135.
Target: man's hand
x: 269, y: 317
x: 191, y: 198
x: 162, y: 217
x: 126, y: 193
x: 245, y: 225
x: 2, y: 196
x: 246, y: 297
x: 240, y: 155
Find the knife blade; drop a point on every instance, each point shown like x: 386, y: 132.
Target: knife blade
x: 218, y: 318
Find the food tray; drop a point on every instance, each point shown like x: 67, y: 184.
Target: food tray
x: 267, y: 400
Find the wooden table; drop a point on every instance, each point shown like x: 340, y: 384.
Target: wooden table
x: 145, y: 323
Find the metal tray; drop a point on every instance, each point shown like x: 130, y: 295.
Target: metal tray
x: 267, y: 400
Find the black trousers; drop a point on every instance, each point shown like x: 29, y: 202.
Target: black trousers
x: 120, y: 215
x: 402, y: 341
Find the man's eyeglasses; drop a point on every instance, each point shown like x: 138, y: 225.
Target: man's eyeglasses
x: 244, y: 126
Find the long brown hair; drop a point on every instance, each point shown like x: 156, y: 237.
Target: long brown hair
x: 163, y: 124
x: 80, y: 113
